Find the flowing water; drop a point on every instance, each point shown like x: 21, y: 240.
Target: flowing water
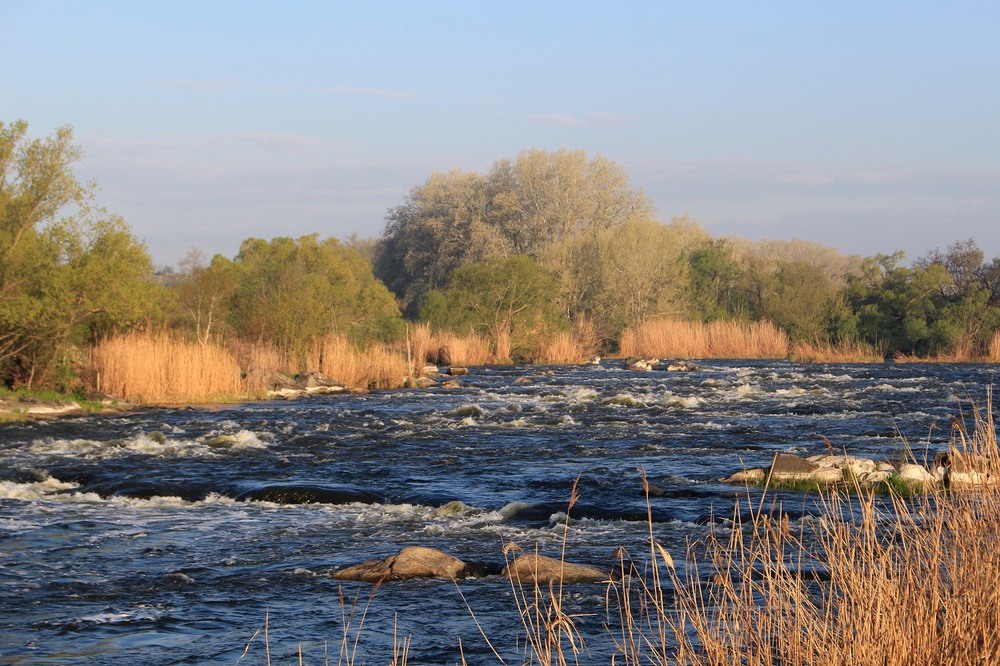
x: 171, y: 536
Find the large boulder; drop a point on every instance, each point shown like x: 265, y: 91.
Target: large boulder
x: 411, y: 562
x: 788, y: 467
x: 915, y: 474
x: 543, y: 570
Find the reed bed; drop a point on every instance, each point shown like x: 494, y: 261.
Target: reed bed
x: 846, y: 352
x: 571, y: 347
x: 994, y: 352
x: 261, y: 357
x: 717, y: 339
x: 156, y: 367
x: 873, y: 581
x: 466, y: 350
x: 375, y: 366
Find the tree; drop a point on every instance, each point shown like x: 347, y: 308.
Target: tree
x: 526, y: 206
x: 511, y: 301
x: 204, y: 292
x: 63, y: 281
x: 714, y: 273
x: 803, y: 300
x: 291, y: 291
x: 896, y: 306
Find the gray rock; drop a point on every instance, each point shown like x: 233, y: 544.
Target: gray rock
x: 788, y: 467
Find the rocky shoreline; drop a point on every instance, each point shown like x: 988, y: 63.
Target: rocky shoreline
x: 950, y: 469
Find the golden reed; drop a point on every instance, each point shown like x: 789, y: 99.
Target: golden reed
x: 157, y: 367
x: 717, y: 339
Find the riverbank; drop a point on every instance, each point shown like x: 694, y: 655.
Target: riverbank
x: 41, y: 405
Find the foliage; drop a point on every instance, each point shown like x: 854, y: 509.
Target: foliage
x: 523, y: 206
x: 63, y: 281
x: 510, y: 301
x: 291, y: 291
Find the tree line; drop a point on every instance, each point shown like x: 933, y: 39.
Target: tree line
x: 539, y: 244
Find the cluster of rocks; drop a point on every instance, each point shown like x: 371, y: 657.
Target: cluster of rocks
x: 649, y: 364
x: 432, y: 376
x: 314, y: 383
x: 421, y: 562
x: 950, y: 469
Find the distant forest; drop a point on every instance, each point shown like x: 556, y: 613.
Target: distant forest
x: 542, y: 244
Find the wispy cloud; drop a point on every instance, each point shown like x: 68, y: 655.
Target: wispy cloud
x: 216, y: 85
x: 366, y: 92
x: 593, y: 119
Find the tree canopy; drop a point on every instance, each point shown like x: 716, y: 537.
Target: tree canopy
x: 69, y: 272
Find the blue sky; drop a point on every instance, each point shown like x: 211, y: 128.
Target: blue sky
x: 867, y: 126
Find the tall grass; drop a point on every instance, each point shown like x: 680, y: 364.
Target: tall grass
x: 911, y: 582
x: 375, y: 366
x: 156, y: 367
x: 571, y: 347
x: 452, y: 349
x: 995, y: 349
x: 717, y: 339
x: 848, y: 352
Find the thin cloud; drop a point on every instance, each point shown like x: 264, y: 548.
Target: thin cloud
x: 216, y: 85
x: 366, y: 92
x: 592, y: 119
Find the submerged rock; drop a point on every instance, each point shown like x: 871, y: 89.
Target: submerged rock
x: 540, y: 569
x: 411, y: 562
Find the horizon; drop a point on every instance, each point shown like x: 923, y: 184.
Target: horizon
x: 864, y: 128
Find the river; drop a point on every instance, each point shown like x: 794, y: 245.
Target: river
x: 170, y: 536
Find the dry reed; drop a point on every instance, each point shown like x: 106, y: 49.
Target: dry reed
x: 376, y: 366
x: 994, y: 349
x: 467, y: 350
x: 717, y: 339
x: 570, y: 347
x: 847, y: 352
x: 873, y: 581
x: 156, y: 367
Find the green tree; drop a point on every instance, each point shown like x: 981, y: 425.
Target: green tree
x: 800, y: 298
x: 291, y: 291
x: 511, y: 301
x: 714, y: 273
x: 204, y: 293
x: 64, y: 281
x: 897, y: 306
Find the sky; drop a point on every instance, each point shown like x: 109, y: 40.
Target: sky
x: 866, y: 126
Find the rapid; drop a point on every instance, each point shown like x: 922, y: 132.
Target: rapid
x: 170, y: 536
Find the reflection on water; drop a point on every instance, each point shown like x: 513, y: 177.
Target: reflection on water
x: 167, y: 536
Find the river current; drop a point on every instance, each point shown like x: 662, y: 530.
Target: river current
x: 170, y: 536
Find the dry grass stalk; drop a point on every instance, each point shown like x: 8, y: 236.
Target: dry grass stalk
x: 423, y: 347
x: 467, y: 350
x: 551, y: 635
x: 848, y: 352
x: 156, y: 367
x: 718, y: 339
x: 377, y: 366
x: 571, y: 347
x: 995, y: 349
x: 888, y: 582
